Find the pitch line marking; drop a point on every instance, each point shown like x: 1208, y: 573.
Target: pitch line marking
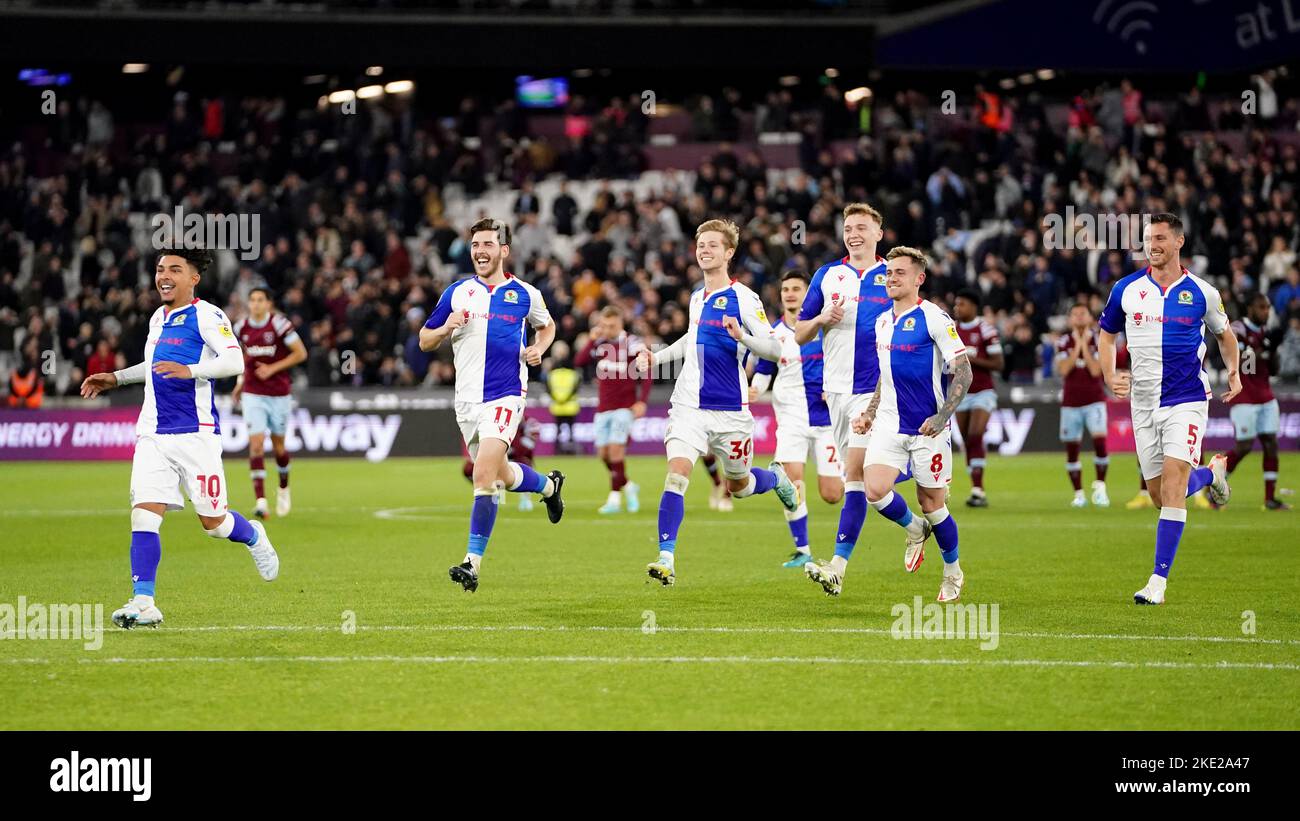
x: 834, y: 660
x: 541, y: 628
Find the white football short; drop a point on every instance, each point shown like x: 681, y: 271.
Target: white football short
x: 844, y: 407
x: 729, y: 435
x: 498, y: 419
x: 1174, y: 431
x: 928, y: 457
x: 794, y: 440
x: 167, y: 467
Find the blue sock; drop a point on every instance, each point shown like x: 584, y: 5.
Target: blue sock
x: 945, y: 534
x: 146, y: 552
x: 799, y: 529
x: 853, y: 514
x: 1169, y: 531
x: 1200, y: 478
x: 893, y: 507
x: 531, y: 482
x: 481, y: 518
x: 242, y: 532
x: 672, y: 509
x: 764, y: 480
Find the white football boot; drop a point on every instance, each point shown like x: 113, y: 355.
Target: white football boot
x: 950, y: 587
x: 282, y: 505
x: 914, y: 548
x: 822, y: 573
x: 264, y: 555
x: 1079, y: 499
x: 1099, y: 497
x: 1219, y: 490
x: 140, y: 611
x: 260, y: 508
x: 1153, y: 593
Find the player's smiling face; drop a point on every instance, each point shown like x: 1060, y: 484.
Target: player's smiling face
x: 711, y: 251
x: 175, y: 279
x: 792, y: 294
x: 861, y: 231
x: 487, y: 253
x: 903, y: 278
x: 1161, y: 243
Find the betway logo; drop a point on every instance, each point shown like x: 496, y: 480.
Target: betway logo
x: 77, y: 774
x: 368, y: 433
x: 1007, y: 430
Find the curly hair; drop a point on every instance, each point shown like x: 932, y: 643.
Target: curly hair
x: 199, y: 258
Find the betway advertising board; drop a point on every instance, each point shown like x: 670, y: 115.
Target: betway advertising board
x: 379, y: 426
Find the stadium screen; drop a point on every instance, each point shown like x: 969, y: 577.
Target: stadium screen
x: 542, y: 92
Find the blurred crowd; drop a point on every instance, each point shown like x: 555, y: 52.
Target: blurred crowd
x: 358, y: 238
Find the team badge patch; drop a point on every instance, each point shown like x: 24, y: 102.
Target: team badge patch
x: 1184, y: 297
x: 512, y: 297
x: 720, y: 303
x: 880, y: 279
x: 179, y: 320
x: 910, y: 323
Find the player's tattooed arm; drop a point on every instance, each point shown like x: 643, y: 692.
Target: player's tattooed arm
x: 957, y: 387
x: 867, y: 418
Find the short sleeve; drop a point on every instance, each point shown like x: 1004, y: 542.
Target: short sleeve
x: 752, y: 315
x: 215, y: 329
x: 1216, y: 317
x: 944, y: 333
x: 992, y: 342
x: 440, y: 311
x: 813, y: 301
x: 1112, y: 316
x: 538, y: 315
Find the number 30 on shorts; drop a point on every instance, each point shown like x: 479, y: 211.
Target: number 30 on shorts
x: 742, y: 449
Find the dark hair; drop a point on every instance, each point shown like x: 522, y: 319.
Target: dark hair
x: 200, y: 258
x: 1168, y: 219
x: 970, y: 294
x: 1082, y: 305
x: 265, y: 292
x: 488, y: 224
x: 798, y: 274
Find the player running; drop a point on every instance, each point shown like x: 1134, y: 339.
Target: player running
x: 485, y: 317
x: 621, y: 399
x: 178, y: 433
x: 1255, y: 410
x: 908, y: 419
x: 984, y: 350
x: 1163, y: 311
x: 710, y: 402
x: 843, y: 302
x: 271, y: 348
x: 1083, y: 403
x: 803, y: 421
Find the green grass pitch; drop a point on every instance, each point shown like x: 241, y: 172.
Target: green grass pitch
x: 565, y: 632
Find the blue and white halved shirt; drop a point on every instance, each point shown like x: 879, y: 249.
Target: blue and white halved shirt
x: 797, y: 387
x: 713, y: 375
x: 913, y: 350
x: 851, y: 365
x: 1165, y: 332
x: 188, y: 335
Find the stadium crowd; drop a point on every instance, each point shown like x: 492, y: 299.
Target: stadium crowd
x: 358, y: 236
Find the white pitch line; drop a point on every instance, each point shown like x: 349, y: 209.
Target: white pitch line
x: 833, y: 660
x: 541, y: 628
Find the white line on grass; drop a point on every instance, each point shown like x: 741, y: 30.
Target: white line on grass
x: 541, y: 628
x: 1121, y: 665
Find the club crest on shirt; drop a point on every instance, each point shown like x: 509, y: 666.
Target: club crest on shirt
x: 1184, y: 297
x: 178, y: 320
x: 910, y: 323
x: 720, y: 303
x: 880, y: 279
x: 512, y: 297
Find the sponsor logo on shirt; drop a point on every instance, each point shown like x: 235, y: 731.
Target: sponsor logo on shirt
x: 762, y: 315
x: 225, y: 331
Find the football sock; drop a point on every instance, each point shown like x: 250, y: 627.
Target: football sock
x: 527, y: 480
x: 945, y: 533
x: 1100, y: 461
x: 282, y: 461
x: 257, y: 470
x: 1072, y: 465
x: 760, y: 481
x: 1200, y: 478
x: 672, y: 509
x: 852, y: 515
x: 146, y: 550
x: 235, y: 528
x: 482, y: 517
x: 975, y: 461
x: 1270, y: 475
x: 798, y: 521
x: 1169, y: 531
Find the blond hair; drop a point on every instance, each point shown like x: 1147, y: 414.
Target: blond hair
x: 729, y: 230
x: 855, y: 208
x: 915, y: 254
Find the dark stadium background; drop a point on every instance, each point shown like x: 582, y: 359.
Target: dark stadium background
x: 1126, y: 110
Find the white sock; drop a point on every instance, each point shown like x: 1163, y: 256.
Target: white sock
x: 666, y: 557
x: 953, y: 569
x: 548, y: 488
x: 748, y: 489
x: 839, y: 564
